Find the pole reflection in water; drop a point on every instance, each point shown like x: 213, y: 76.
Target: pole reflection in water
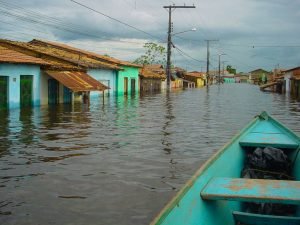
x: 168, y: 120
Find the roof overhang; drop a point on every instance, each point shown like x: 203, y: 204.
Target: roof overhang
x: 77, y: 81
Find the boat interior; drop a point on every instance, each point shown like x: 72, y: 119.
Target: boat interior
x: 283, y: 194
x: 218, y: 195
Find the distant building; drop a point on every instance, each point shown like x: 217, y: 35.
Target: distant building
x: 197, y: 77
x: 259, y: 76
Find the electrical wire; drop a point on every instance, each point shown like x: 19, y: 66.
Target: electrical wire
x: 117, y: 20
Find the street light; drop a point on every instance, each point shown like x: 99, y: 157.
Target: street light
x: 193, y: 29
x: 220, y: 67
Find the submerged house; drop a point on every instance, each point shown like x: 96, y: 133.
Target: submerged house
x: 151, y: 81
x: 19, y: 79
x: 259, y: 76
x: 197, y: 77
x: 120, y: 76
x: 41, y: 78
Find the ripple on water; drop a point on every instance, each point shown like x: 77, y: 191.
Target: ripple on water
x: 119, y: 162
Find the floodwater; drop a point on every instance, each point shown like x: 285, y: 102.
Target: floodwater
x: 121, y: 161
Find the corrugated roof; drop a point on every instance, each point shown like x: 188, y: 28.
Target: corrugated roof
x: 11, y: 56
x: 102, y: 58
x: 146, y: 73
x: 74, y: 58
x: 77, y: 81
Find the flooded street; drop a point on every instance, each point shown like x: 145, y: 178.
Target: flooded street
x: 121, y: 161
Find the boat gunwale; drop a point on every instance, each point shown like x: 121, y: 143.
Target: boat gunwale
x: 179, y: 195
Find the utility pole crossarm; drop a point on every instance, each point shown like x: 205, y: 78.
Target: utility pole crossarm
x: 182, y: 7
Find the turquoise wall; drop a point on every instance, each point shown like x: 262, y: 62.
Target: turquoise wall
x: 130, y: 73
x: 13, y: 72
x: 107, y: 77
x: 229, y: 80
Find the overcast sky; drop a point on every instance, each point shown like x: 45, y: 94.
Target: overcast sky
x: 252, y: 33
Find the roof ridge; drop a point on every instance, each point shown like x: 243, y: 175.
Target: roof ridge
x: 86, y: 52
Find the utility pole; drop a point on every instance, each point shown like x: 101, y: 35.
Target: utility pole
x: 207, y: 62
x: 168, y: 69
x: 223, y: 62
x: 220, y: 67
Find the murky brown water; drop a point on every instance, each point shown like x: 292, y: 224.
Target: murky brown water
x: 119, y: 163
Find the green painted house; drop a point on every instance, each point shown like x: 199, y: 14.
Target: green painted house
x: 128, y: 80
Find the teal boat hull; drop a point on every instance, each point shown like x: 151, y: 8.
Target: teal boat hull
x: 188, y: 208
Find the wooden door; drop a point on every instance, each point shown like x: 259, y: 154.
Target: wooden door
x: 125, y: 85
x: 3, y: 92
x: 132, y: 86
x: 26, y: 90
x: 53, y: 91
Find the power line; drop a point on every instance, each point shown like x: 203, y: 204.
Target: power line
x: 33, y: 17
x: 112, y: 18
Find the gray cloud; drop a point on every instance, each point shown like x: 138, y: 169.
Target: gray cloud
x: 237, y: 24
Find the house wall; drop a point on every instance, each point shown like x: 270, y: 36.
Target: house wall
x: 229, y: 80
x: 150, y: 84
x: 200, y: 82
x: 178, y: 83
x: 106, y: 77
x: 130, y: 73
x: 44, y: 89
x: 13, y: 72
x: 287, y: 80
x: 164, y: 85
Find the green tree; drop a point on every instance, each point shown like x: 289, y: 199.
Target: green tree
x: 230, y: 69
x: 154, y: 54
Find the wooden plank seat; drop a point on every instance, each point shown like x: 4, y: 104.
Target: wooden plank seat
x: 268, y: 139
x: 252, y: 190
x: 258, y: 219
x: 268, y: 134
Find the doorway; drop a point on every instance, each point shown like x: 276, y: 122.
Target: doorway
x: 26, y: 90
x: 3, y: 92
x: 125, y: 85
x: 132, y: 81
x: 53, y: 92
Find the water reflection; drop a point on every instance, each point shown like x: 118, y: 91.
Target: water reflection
x: 166, y: 125
x: 4, y: 132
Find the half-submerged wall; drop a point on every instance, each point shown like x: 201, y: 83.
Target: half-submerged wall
x: 23, y: 84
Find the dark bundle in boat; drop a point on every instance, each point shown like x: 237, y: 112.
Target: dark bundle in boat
x: 273, y: 164
x: 267, y: 163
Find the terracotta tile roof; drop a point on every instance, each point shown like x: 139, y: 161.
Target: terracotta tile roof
x: 77, y: 51
x: 154, y: 66
x: 156, y: 69
x: 11, y: 56
x: 195, y: 74
x: 77, y: 81
x: 259, y: 70
x: 147, y: 73
x: 74, y: 58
